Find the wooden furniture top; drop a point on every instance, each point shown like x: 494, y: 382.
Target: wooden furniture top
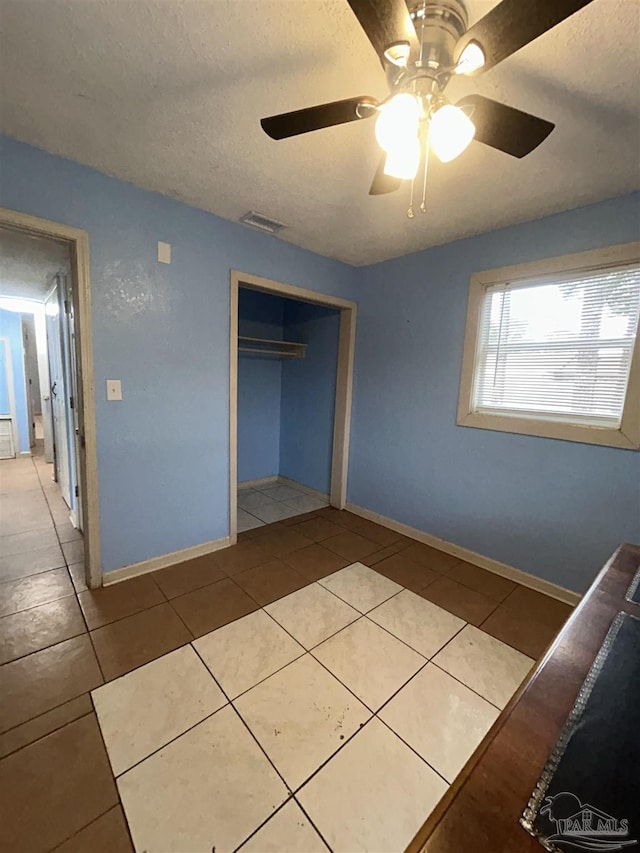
x: 481, y: 810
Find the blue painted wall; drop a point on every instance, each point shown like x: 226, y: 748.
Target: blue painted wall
x: 553, y: 508
x: 308, y: 395
x: 259, y: 387
x: 11, y: 328
x: 164, y: 331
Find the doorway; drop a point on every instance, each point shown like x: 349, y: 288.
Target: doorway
x: 340, y: 404
x: 45, y: 282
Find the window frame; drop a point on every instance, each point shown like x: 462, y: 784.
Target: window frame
x: 627, y: 435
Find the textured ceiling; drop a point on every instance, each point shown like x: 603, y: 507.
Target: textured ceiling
x: 28, y: 262
x: 168, y: 94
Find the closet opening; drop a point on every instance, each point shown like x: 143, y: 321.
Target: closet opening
x: 291, y: 376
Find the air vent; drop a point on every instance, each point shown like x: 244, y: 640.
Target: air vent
x: 262, y: 223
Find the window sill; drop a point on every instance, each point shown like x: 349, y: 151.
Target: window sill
x: 620, y: 438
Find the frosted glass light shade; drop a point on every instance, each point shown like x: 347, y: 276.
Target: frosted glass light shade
x: 397, y: 121
x: 450, y: 133
x: 471, y: 59
x: 403, y: 160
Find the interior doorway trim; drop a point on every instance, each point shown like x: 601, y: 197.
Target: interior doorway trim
x: 344, y: 383
x: 78, y: 241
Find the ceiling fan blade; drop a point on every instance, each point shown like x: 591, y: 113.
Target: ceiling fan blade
x: 383, y: 183
x: 314, y: 118
x: 513, y: 23
x: 385, y: 22
x: 503, y: 127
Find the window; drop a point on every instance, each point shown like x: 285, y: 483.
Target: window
x: 552, y: 349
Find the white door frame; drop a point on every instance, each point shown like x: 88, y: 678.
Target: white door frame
x: 78, y: 241
x: 344, y: 384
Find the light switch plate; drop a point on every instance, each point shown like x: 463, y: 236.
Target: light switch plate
x: 114, y: 389
x: 164, y: 252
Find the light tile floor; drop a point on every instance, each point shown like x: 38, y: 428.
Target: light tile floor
x: 317, y: 686
x: 306, y: 722
x: 272, y: 502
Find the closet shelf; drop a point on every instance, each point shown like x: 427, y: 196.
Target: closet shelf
x: 265, y: 346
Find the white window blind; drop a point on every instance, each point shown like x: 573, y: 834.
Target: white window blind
x: 558, y: 349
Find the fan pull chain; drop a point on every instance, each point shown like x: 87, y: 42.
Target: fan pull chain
x: 423, y: 204
x: 410, y: 213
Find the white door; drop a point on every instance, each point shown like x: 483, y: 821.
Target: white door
x: 73, y: 419
x: 28, y: 364
x: 59, y: 397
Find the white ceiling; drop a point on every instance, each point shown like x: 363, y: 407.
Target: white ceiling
x: 27, y: 263
x: 168, y: 94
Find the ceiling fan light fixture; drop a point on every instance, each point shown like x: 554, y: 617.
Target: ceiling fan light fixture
x: 403, y: 160
x: 471, y: 59
x: 398, y: 53
x: 397, y: 121
x: 451, y: 131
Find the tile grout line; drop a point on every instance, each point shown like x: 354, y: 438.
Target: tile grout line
x: 46, y: 734
x: 246, y: 616
x: 139, y: 666
x: 48, y: 710
x: 113, y: 775
x: 171, y: 740
x: 335, y: 633
x: 42, y: 603
x: 309, y: 818
x: 167, y: 600
x: 393, y: 594
x: 260, y: 747
x: 415, y: 751
x: 73, y: 636
x: 91, y: 822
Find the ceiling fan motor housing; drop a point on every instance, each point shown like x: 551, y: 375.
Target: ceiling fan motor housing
x: 438, y: 27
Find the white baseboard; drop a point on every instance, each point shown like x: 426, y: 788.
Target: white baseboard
x: 261, y: 482
x: 164, y: 560
x: 502, y: 569
x: 285, y: 481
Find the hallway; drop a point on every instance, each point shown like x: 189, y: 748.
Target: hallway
x: 36, y: 535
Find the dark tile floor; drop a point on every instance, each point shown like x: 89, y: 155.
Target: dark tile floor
x: 58, y: 640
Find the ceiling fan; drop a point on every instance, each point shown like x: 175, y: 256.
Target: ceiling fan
x: 420, y: 46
